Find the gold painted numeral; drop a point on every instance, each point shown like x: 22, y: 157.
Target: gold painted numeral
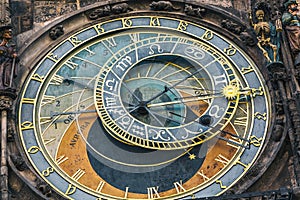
x: 135, y: 37
x: 154, y: 21
x: 38, y: 78
x: 179, y: 187
x: 257, y: 92
x: 246, y: 70
x: 47, y: 99
x: 78, y: 174
x: 28, y: 101
x: 53, y: 57
x: 126, y: 22
x: 153, y: 192
x: 70, y: 190
x: 111, y: 42
x: 222, y: 159
x: 241, y: 163
x: 61, y: 159
x: 44, y: 120
x: 26, y: 125
x: 100, y: 186
x: 47, y: 171
x: 240, y: 121
x: 99, y: 29
x: 48, y: 141
x: 234, y: 142
x: 75, y: 41
x: 182, y: 26
x: 221, y: 184
x: 91, y: 53
x: 260, y: 116
x: 126, y: 192
x: 230, y: 51
x: 33, y: 149
x: 208, y: 35
x: 57, y: 80
x: 71, y: 64
x: 201, y: 173
x: 255, y: 141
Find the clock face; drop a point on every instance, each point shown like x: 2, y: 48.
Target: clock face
x: 143, y: 108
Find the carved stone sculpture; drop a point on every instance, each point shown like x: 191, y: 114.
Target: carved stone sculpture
x: 291, y: 22
x: 267, y: 36
x: 163, y: 6
x: 56, y: 32
x: 194, y: 11
x: 8, y: 69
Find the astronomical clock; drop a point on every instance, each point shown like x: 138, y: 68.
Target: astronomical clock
x: 152, y: 100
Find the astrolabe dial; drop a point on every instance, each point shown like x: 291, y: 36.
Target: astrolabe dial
x: 154, y: 95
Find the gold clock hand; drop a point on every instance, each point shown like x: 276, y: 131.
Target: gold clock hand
x: 53, y: 114
x: 190, y: 99
x: 85, y: 84
x: 172, y: 86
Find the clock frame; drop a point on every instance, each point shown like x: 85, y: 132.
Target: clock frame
x: 76, y: 41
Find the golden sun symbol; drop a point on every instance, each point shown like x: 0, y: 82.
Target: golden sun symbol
x: 230, y: 91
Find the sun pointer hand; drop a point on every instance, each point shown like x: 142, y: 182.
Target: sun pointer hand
x: 181, y: 100
x: 166, y: 88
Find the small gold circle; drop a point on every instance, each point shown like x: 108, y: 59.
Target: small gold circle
x: 230, y: 91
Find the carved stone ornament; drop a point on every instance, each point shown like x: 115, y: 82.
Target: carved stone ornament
x: 291, y: 22
x: 194, y: 11
x: 56, y: 32
x: 5, y: 103
x: 163, y: 6
x: 44, y: 189
x: 108, y: 10
x: 231, y: 26
x: 8, y: 58
x: 19, y: 162
x: 4, y: 13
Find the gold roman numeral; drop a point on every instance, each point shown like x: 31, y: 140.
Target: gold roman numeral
x: 222, y: 159
x: 201, y: 173
x: 179, y: 187
x: 61, y: 159
x: 78, y: 174
x: 100, y: 186
x: 153, y: 192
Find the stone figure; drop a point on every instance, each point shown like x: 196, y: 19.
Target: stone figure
x: 291, y: 22
x: 8, y: 69
x: 163, y: 6
x: 56, y: 32
x: 267, y: 36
